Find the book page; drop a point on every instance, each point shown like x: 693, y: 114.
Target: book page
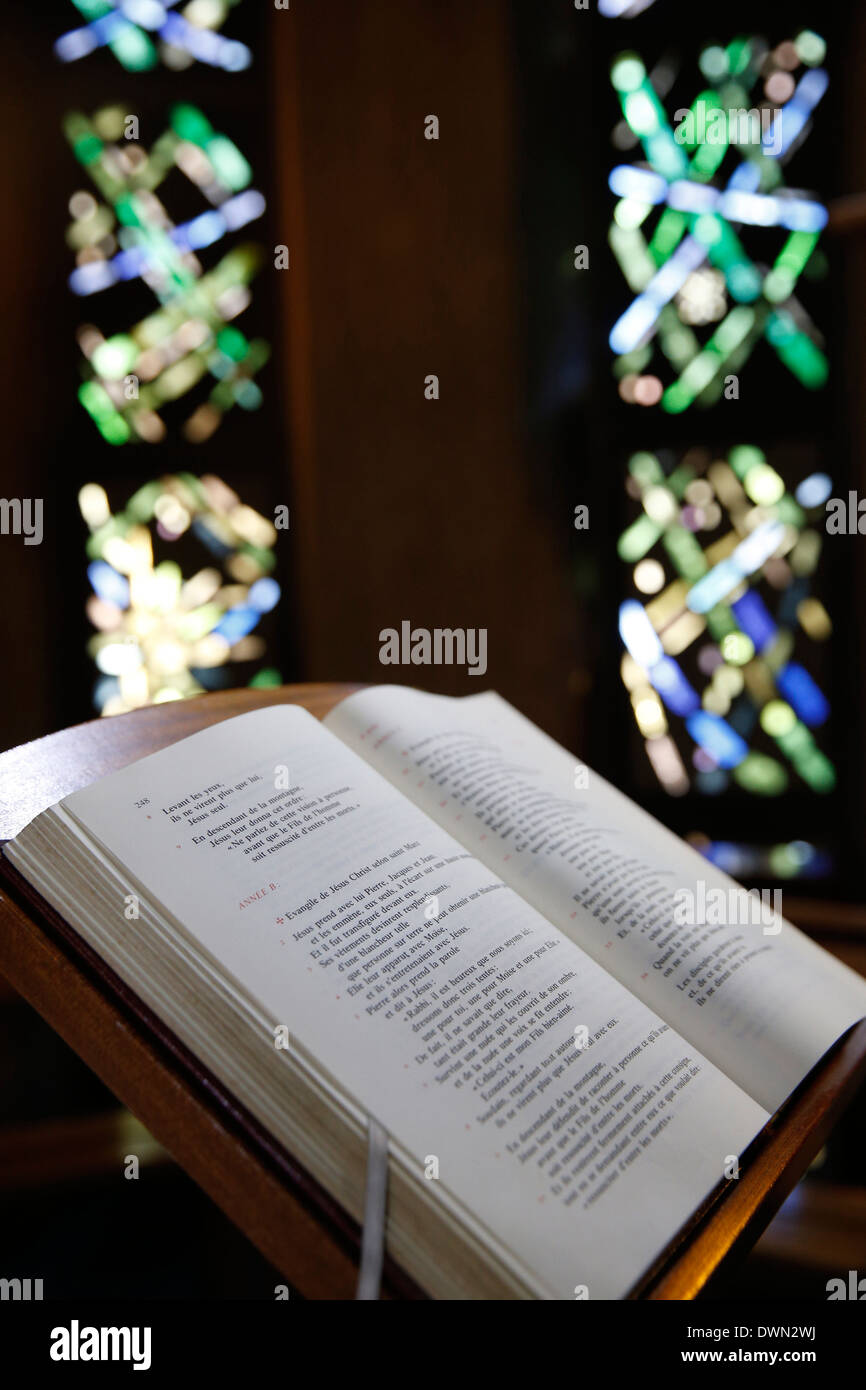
x: 760, y: 999
x: 429, y: 992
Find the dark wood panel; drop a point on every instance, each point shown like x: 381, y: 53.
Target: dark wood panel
x: 406, y: 260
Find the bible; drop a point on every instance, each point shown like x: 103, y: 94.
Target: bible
x: 570, y: 1026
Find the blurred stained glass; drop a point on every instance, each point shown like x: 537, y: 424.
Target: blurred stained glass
x: 722, y: 621
x: 122, y: 233
x: 787, y: 860
x: 163, y: 634
x: 142, y: 33
x: 709, y: 237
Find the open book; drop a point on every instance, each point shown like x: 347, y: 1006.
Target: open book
x: 412, y: 912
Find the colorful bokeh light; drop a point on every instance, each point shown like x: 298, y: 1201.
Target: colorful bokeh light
x: 710, y: 240
x: 160, y: 635
x: 142, y: 33
x: 191, y: 342
x: 722, y: 558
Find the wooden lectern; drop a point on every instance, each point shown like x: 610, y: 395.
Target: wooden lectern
x: 279, y: 1207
